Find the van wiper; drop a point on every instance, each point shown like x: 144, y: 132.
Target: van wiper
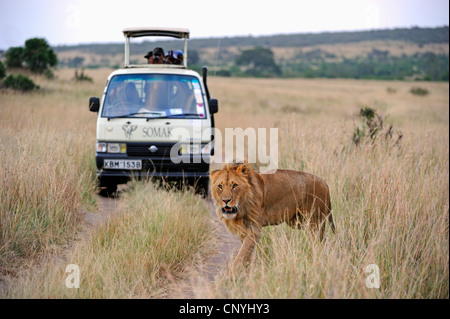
x: 184, y: 114
x: 138, y: 113
x: 161, y: 116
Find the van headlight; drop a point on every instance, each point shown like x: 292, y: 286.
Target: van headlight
x: 195, y: 149
x: 103, y: 147
x: 117, y: 148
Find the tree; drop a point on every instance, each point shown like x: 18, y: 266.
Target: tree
x: 38, y: 55
x: 259, y: 61
x: 19, y: 82
x: 2, y: 70
x: 14, y: 57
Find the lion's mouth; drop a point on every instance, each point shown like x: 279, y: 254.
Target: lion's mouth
x: 229, y: 210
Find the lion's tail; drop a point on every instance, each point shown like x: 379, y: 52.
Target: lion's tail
x: 330, y: 218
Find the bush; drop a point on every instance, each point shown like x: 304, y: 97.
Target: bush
x: 38, y: 55
x: 419, y: 91
x: 2, y: 70
x: 391, y: 90
x: 14, y: 57
x: 226, y: 73
x: 19, y: 82
x: 81, y: 76
x: 258, y: 62
x: 49, y: 74
x: 372, y: 127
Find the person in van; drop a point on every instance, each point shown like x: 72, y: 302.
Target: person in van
x: 174, y: 57
x: 122, y: 99
x: 156, y: 95
x: 156, y: 56
x: 148, y: 56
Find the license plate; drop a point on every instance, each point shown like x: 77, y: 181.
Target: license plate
x: 123, y: 164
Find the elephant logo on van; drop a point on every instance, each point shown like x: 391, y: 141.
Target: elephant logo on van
x: 129, y: 129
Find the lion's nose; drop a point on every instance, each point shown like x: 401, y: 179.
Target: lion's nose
x: 226, y: 200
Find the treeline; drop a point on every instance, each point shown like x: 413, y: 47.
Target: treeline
x: 254, y: 56
x: 260, y: 62
x: 419, y: 36
x: 427, y: 67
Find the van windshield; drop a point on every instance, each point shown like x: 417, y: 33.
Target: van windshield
x: 154, y: 96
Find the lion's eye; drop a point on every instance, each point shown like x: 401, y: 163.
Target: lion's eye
x: 220, y: 186
x: 234, y: 186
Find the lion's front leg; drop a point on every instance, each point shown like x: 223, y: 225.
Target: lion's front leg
x: 245, y: 253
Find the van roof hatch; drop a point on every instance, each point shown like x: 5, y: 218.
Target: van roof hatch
x: 135, y: 32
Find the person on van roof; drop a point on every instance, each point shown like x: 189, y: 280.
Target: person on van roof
x: 148, y: 56
x: 174, y: 57
x: 157, y: 56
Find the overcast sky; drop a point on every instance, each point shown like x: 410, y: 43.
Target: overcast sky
x: 99, y: 21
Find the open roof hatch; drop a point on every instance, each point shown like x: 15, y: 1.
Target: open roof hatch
x: 178, y: 33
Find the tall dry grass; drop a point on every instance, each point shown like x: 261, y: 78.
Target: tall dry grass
x: 390, y: 203
x: 47, y: 173
x: 390, y: 207
x: 48, y: 181
x: 137, y: 254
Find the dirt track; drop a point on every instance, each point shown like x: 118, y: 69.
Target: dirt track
x: 199, y: 277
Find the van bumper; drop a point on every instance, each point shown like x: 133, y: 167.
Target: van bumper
x: 191, y: 168
x: 147, y: 174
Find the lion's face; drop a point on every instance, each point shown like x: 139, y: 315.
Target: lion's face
x: 228, y: 188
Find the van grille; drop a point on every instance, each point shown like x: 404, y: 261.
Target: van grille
x: 143, y: 149
x: 160, y: 161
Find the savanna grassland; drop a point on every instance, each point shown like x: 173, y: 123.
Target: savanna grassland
x: 48, y: 184
x: 390, y: 196
x: 46, y: 168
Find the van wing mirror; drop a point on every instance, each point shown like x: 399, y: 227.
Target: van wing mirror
x: 213, y: 106
x: 94, y: 104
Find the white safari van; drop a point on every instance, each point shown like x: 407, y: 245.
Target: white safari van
x: 154, y: 120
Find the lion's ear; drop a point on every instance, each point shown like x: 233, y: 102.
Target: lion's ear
x: 242, y: 169
x: 214, y: 173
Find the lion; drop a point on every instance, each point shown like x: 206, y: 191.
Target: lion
x: 246, y: 201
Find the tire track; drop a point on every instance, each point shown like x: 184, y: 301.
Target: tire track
x: 200, y: 279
